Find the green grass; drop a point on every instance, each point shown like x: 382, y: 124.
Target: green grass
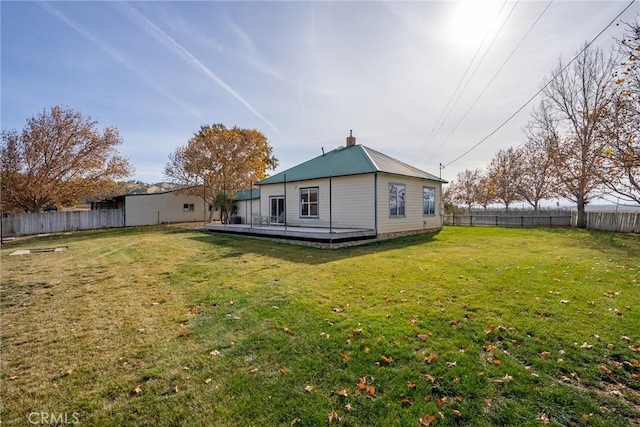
x: 469, y: 326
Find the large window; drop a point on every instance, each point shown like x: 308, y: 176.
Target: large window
x: 396, y: 199
x: 309, y: 202
x: 428, y: 201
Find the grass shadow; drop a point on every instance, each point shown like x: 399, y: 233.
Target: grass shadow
x: 238, y: 245
x: 604, y: 240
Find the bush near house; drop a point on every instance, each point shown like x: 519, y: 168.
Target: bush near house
x: 469, y: 326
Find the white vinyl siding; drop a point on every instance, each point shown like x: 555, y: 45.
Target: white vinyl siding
x: 413, y: 220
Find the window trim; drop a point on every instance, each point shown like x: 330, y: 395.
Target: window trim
x: 423, y: 201
x: 404, y: 200
x: 309, y: 202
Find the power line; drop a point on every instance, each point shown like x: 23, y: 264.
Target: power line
x: 428, y: 141
x: 455, y: 127
x: 541, y: 89
x: 474, y: 73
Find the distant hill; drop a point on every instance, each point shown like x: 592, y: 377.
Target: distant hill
x: 139, y: 187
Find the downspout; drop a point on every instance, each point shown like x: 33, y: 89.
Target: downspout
x: 330, y: 213
x: 375, y: 202
x: 250, y: 215
x: 285, y: 202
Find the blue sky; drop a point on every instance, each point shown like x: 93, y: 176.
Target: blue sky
x: 304, y: 73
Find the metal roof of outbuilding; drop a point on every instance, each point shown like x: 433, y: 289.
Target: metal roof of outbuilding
x: 345, y: 161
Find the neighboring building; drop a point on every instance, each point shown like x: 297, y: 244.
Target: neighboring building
x: 352, y: 187
x: 157, y: 208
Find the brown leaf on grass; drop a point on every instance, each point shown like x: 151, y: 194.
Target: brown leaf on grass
x: 207, y: 381
x: 585, y: 417
x: 634, y: 348
x: 456, y: 380
x: 348, y: 407
x: 427, y: 420
x: 458, y: 399
x: 345, y: 358
x: 431, y: 358
x: 253, y: 371
x: 457, y: 413
x: 411, y: 385
x: 367, y: 350
x: 441, y: 401
x: 372, y: 391
x: 604, y: 369
x: 137, y: 389
x: 344, y: 392
x: 489, y: 329
x: 451, y: 364
x: 214, y: 353
x: 545, y: 355
x: 387, y: 360
x: 496, y: 362
x: 454, y: 324
x: 13, y: 377
x: 294, y: 421
x: 284, y: 371
x: 177, y: 389
x: 636, y: 377
x: 488, y: 401
x: 414, y: 320
x: 362, y: 383
x: 430, y: 378
x: 543, y: 419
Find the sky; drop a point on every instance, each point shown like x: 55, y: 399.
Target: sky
x: 421, y: 81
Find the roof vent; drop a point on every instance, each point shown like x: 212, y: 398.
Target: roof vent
x: 351, y: 140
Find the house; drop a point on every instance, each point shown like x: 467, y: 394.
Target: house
x: 353, y: 187
x: 157, y: 208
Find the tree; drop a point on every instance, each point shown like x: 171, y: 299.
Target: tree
x: 464, y: 188
x: 577, y: 97
x: 503, y: 174
x: 536, y: 180
x: 621, y: 125
x: 222, y: 160
x: 226, y: 204
x: 485, y: 192
x: 60, y: 158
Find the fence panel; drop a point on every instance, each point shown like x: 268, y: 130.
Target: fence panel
x: 623, y: 222
x: 26, y: 224
x: 509, y: 220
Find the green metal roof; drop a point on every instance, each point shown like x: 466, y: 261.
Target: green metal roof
x: 345, y: 161
x: 248, y: 194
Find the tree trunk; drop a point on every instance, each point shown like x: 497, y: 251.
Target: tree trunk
x: 582, y: 217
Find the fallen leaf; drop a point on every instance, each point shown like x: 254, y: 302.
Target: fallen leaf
x: 585, y: 345
x: 604, y: 369
x: 457, y: 413
x: 458, y: 399
x: 431, y: 358
x: 441, y: 401
x: 543, y: 419
x: 636, y: 377
x: 215, y: 353
x: 348, y: 407
x: 411, y: 385
x: 13, y: 377
x: 490, y: 347
x: 345, y: 358
x: 372, y: 391
x: 138, y: 389
x: 387, y: 360
x: 496, y: 362
x: 253, y: 371
x: 545, y: 355
x: 344, y: 392
x: 308, y: 388
x: 427, y: 420
x: 634, y: 348
x: 177, y: 388
x: 564, y: 301
x: 294, y: 421
x: 207, y: 381
x: 367, y: 350
x: 362, y: 383
x: 451, y: 364
x: 284, y: 371
x: 488, y: 401
x: 430, y: 378
x: 454, y: 324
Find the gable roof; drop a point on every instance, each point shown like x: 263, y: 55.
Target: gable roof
x: 248, y: 194
x: 345, y: 161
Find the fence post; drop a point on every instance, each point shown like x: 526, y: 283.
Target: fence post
x: 496, y: 220
x: 521, y: 221
x: 470, y: 220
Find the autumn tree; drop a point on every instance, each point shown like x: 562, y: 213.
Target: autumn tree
x: 59, y: 158
x: 577, y: 96
x: 485, y: 192
x: 503, y: 174
x: 620, y: 128
x: 222, y: 160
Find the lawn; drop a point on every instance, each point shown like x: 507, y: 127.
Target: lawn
x: 469, y: 326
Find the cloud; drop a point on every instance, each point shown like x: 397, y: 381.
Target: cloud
x: 116, y: 55
x: 145, y: 24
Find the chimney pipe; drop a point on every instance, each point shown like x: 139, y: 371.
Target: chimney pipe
x: 351, y: 140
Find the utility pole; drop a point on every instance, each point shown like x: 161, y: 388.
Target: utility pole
x: 441, y: 167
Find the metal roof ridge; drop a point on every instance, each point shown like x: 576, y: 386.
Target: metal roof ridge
x: 366, y: 152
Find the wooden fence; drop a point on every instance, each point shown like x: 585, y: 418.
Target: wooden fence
x: 620, y: 222
x: 14, y: 225
x: 623, y: 222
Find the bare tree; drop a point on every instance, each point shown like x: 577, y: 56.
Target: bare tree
x: 577, y: 97
x: 463, y: 189
x: 485, y: 192
x: 503, y: 174
x: 535, y: 179
x: 60, y: 158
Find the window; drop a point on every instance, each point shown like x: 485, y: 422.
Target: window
x: 188, y: 207
x: 396, y: 199
x: 428, y: 201
x: 309, y: 202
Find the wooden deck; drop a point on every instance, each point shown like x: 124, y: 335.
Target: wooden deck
x: 307, y: 234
